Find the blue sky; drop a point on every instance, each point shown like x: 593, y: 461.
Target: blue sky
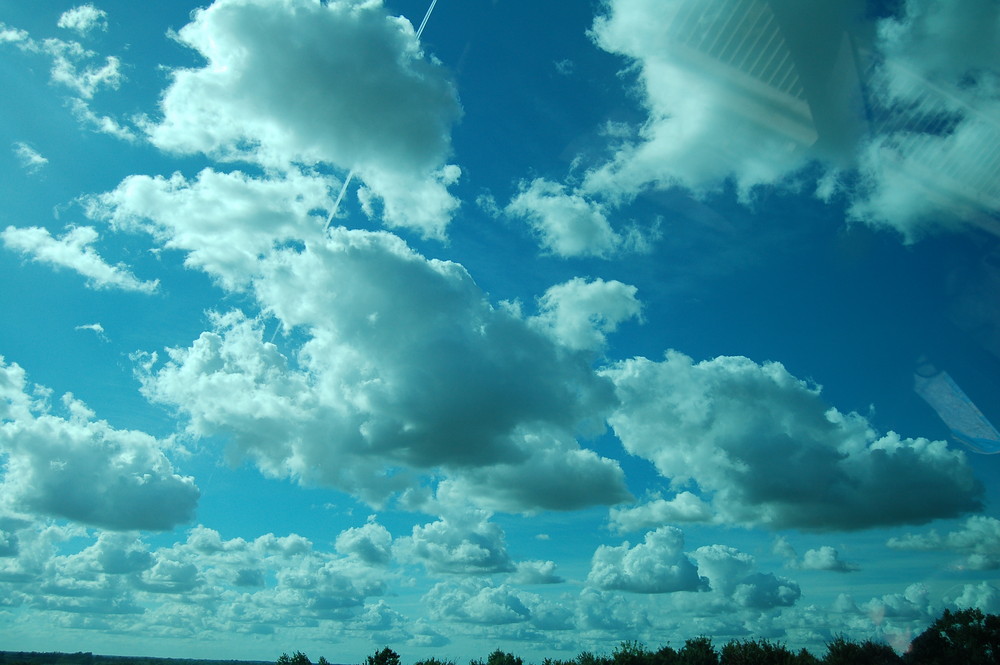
x: 637, y: 320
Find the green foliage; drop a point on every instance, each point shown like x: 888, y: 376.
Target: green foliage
x: 698, y: 651
x: 434, y: 661
x: 384, y: 657
x: 967, y: 636
x: 756, y: 652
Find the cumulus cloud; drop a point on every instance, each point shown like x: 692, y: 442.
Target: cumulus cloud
x: 556, y: 474
x: 826, y: 558
x: 983, y: 596
x: 477, y: 602
x: 203, y: 582
x: 74, y: 250
x: 536, y: 572
x: 978, y: 539
x: 763, y: 448
x: 371, y: 543
x: 657, y: 565
x: 83, y: 19
x: 83, y: 469
x: 566, y: 224
x: 30, y: 159
x: 458, y: 546
x: 223, y: 222
x: 733, y: 575
x: 306, y: 82
x: 580, y: 313
x: 683, y: 507
x: 406, y: 367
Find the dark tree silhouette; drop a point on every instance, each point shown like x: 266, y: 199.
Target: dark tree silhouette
x: 297, y: 658
x: 844, y: 652
x: 384, y: 657
x: 756, y: 652
x: 967, y: 636
x: 698, y: 651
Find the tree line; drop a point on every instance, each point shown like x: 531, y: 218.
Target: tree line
x: 964, y: 637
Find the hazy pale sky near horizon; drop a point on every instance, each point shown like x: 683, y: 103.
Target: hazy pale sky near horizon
x: 557, y: 325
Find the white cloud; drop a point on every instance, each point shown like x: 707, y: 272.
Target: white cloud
x: 684, y: 507
x: 722, y: 424
x: 567, y: 224
x: 733, y: 575
x: 371, y: 543
x: 96, y: 328
x: 73, y: 250
x: 536, y: 572
x: 67, y: 58
x: 449, y: 546
x: 30, y: 159
x: 83, y: 469
x: 406, y: 367
x: 580, y: 313
x: 224, y: 222
x: 78, y: 69
x: 983, y: 596
x: 303, y: 81
x: 102, y: 124
x: 476, y: 602
x: 83, y: 19
x: 598, y: 610
x: 979, y: 539
x: 657, y: 565
x: 826, y: 558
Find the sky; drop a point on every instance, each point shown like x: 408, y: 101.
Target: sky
x: 458, y: 326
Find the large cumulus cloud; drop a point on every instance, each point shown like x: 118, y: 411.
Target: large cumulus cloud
x: 339, y: 82
x: 83, y: 469
x: 763, y: 448
x: 406, y: 367
x: 657, y: 565
x: 223, y: 222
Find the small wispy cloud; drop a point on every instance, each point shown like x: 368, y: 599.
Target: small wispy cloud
x: 83, y: 19
x: 97, y: 328
x: 74, y: 251
x: 30, y: 159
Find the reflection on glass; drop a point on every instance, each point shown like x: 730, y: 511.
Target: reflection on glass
x: 966, y: 422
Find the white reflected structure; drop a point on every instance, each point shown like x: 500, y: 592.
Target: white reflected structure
x: 947, y: 144
x: 829, y: 95
x: 966, y: 422
x: 740, y: 43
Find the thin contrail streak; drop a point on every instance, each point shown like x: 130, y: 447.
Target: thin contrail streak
x: 336, y: 204
x: 423, y: 23
x: 350, y: 175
